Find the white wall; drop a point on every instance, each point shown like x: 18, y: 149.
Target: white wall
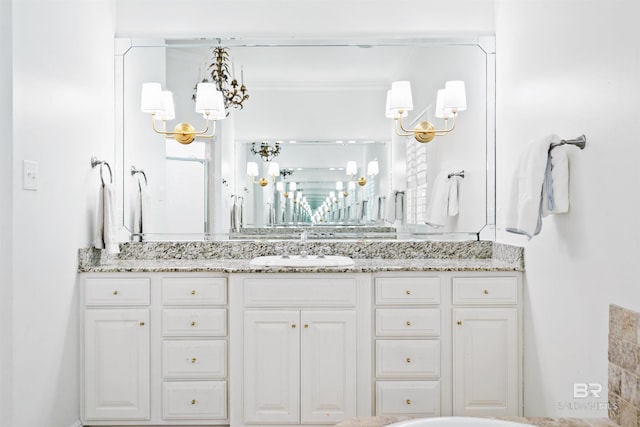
x: 571, y: 67
x: 63, y: 114
x: 6, y: 255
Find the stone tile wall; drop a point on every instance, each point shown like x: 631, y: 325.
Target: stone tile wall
x: 624, y: 369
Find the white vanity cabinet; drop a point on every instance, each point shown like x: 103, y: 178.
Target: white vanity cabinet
x: 486, y: 344
x: 154, y: 349
x: 301, y: 346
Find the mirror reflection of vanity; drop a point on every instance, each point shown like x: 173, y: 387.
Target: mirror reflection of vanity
x: 323, y: 101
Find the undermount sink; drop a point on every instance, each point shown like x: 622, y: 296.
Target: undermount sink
x: 299, y: 261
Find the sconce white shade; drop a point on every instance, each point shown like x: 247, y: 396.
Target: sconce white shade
x: 401, y: 99
x: 279, y: 186
x: 252, y: 169
x: 372, y: 168
x: 440, y: 111
x: 299, y: 195
x: 274, y: 169
x: 151, y: 99
x: 207, y: 98
x: 332, y: 195
x: 390, y: 114
x: 168, y: 110
x: 292, y: 186
x: 219, y: 113
x: 455, y: 97
x: 352, y: 185
x: 339, y: 185
x: 352, y: 168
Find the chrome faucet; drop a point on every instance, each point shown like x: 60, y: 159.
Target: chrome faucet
x: 303, y: 244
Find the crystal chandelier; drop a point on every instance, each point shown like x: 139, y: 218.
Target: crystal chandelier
x: 266, y: 151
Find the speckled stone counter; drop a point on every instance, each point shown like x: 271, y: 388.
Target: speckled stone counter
x: 536, y: 421
x: 369, y: 256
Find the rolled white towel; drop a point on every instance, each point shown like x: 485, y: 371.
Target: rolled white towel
x: 142, y: 212
x: 106, y: 228
x: 556, y: 188
x: 453, y: 204
x: 438, y: 206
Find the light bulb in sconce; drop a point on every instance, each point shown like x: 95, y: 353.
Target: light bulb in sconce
x: 373, y: 168
x: 449, y: 102
x: 279, y: 186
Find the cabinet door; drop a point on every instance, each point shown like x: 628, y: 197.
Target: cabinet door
x: 271, y: 367
x: 328, y: 366
x: 485, y: 361
x: 116, y: 357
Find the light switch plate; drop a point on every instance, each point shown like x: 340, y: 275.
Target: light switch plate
x: 29, y: 175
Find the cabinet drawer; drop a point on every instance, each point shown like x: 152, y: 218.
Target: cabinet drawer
x: 109, y: 291
x: 408, y: 398
x: 485, y: 290
x: 194, y: 359
x: 194, y: 291
x: 194, y: 400
x: 407, y: 358
x: 300, y: 292
x: 194, y: 322
x: 408, y: 322
x: 407, y: 290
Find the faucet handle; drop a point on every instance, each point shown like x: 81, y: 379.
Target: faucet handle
x: 322, y: 251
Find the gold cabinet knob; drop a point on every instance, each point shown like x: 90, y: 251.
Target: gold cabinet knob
x: 459, y: 322
x: 116, y: 292
x: 408, y: 360
x: 306, y: 325
x: 193, y: 323
x: 193, y: 292
x: 193, y: 401
x: 408, y: 401
x: 486, y: 292
x: 293, y: 325
x: 141, y: 323
x: 408, y: 292
x: 193, y: 360
x: 408, y: 323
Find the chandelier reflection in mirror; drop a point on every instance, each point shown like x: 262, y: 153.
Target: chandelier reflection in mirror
x: 266, y: 151
x: 233, y: 93
x: 449, y: 101
x: 159, y: 104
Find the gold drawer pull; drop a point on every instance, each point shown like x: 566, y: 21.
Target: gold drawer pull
x: 193, y: 323
x: 306, y: 325
x: 141, y: 323
x: 408, y: 401
x: 116, y: 292
x: 193, y: 292
x: 193, y: 360
x: 408, y: 292
x: 486, y: 292
x: 408, y: 322
x: 408, y: 360
x: 459, y: 322
x: 293, y: 325
x: 193, y: 402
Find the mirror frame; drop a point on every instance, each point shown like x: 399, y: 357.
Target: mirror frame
x: 407, y: 232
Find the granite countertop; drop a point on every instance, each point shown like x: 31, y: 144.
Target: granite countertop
x: 369, y: 257
x: 535, y: 421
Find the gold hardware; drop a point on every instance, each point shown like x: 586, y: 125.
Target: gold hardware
x: 408, y: 360
x: 306, y: 325
x: 459, y: 322
x: 193, y: 292
x: 193, y: 402
x: 263, y: 182
x: 486, y: 292
x: 141, y: 323
x: 193, y: 360
x: 362, y: 181
x: 115, y: 292
x: 408, y: 323
x: 408, y: 401
x: 408, y: 292
x: 184, y: 133
x: 193, y: 323
x: 293, y: 325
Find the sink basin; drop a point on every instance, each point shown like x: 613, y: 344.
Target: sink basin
x: 298, y: 261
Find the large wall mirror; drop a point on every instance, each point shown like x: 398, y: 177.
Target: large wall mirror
x: 322, y: 103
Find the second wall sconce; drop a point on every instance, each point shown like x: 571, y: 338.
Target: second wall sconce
x: 449, y: 102
x: 159, y: 103
x: 253, y: 172
x: 352, y: 171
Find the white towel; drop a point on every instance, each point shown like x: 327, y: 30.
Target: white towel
x: 525, y: 208
x: 141, y: 212
x: 438, y: 206
x: 105, y: 231
x: 453, y: 204
x: 556, y: 186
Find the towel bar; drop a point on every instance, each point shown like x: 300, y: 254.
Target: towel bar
x: 95, y: 162
x: 135, y: 171
x: 460, y: 174
x: 579, y: 142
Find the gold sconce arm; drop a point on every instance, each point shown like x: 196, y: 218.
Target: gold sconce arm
x: 184, y: 133
x: 424, y: 131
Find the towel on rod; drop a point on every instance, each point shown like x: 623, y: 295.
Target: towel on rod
x: 524, y: 213
x: 453, y: 204
x: 556, y: 184
x: 141, y: 213
x: 105, y: 230
x: 440, y: 203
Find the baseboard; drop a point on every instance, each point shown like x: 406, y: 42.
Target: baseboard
x: 76, y: 424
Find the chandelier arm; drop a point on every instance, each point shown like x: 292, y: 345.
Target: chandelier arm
x: 170, y: 134
x: 438, y: 132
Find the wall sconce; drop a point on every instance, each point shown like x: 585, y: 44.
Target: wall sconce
x: 292, y: 187
x: 340, y: 189
x: 450, y: 100
x: 159, y: 103
x: 352, y: 170
x: 253, y: 172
